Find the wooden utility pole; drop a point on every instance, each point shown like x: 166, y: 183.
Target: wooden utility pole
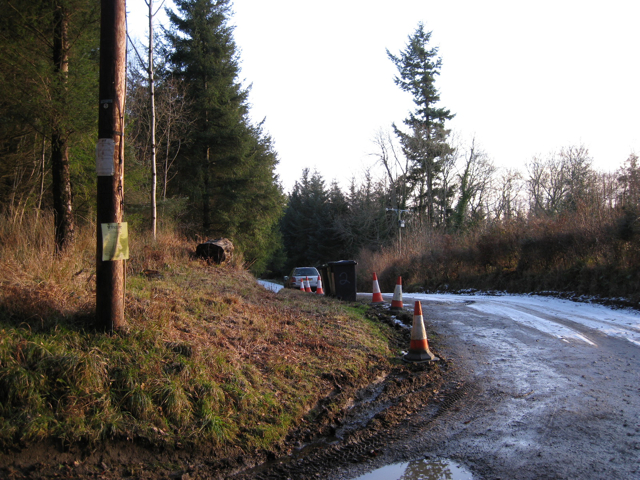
x: 400, y: 225
x: 110, y: 164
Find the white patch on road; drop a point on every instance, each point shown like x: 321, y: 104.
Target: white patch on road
x: 274, y: 287
x: 550, y: 315
x: 533, y: 321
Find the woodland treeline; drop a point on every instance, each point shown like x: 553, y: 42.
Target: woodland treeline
x: 216, y: 168
x: 432, y: 207
x: 443, y: 216
x: 559, y: 224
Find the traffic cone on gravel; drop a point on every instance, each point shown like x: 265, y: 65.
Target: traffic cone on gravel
x: 319, y: 290
x: 396, y: 303
x: 377, y: 296
x: 419, y: 347
x: 307, y: 285
x: 301, y: 285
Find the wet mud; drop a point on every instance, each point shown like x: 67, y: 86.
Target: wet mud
x: 505, y: 401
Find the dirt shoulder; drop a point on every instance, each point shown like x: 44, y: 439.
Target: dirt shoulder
x: 368, y: 419
x: 506, y: 401
x: 384, y: 415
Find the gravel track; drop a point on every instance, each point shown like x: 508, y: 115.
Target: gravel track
x: 525, y: 389
x: 559, y: 400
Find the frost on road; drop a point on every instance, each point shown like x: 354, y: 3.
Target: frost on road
x: 560, y: 318
x: 558, y: 387
x: 274, y: 287
x: 550, y: 390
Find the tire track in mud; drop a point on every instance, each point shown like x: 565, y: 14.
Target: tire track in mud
x: 407, y: 406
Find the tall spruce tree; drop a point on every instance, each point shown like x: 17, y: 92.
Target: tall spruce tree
x: 305, y: 225
x: 425, y: 144
x: 227, y: 166
x: 321, y: 225
x: 204, y: 55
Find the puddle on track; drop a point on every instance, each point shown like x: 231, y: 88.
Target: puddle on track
x: 424, y: 469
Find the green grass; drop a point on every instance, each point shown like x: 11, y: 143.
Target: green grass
x: 209, y: 357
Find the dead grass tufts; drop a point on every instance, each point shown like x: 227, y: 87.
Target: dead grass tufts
x: 581, y: 253
x: 209, y: 356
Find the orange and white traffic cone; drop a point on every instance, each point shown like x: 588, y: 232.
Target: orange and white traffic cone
x: 419, y: 348
x: 319, y: 290
x: 307, y: 285
x: 396, y: 303
x: 302, y: 285
x: 377, y: 296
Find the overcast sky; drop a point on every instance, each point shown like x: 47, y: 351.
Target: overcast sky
x: 523, y: 78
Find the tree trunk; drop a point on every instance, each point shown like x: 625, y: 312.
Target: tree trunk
x: 165, y: 170
x: 154, y: 175
x: 61, y: 178
x: 42, y: 173
x: 429, y: 172
x: 206, y: 213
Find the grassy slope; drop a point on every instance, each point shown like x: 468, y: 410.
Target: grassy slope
x: 210, y: 357
x: 596, y: 255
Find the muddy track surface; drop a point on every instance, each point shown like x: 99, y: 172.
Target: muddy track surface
x: 391, y: 420
x: 521, y: 392
x: 525, y: 392
x: 553, y: 391
x: 380, y: 422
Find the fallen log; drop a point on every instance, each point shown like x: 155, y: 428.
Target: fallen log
x: 217, y: 251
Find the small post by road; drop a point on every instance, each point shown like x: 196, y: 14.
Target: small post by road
x: 400, y: 225
x: 111, y: 232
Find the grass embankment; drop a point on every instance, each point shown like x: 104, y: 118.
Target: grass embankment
x: 209, y: 357
x: 585, y: 254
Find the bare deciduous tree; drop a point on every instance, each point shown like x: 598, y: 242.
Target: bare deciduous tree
x: 174, y: 122
x: 152, y: 106
x: 395, y: 168
x: 563, y: 182
x: 474, y: 182
x: 61, y: 175
x: 509, y: 202
x: 629, y: 181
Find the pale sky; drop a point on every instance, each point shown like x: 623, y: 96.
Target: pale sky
x: 523, y: 78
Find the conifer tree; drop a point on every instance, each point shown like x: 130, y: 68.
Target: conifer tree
x: 204, y: 56
x: 227, y: 166
x: 425, y: 145
x: 305, y: 222
x: 48, y: 76
x: 322, y: 225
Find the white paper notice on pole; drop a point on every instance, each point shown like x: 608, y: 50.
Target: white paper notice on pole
x: 115, y: 241
x: 104, y: 157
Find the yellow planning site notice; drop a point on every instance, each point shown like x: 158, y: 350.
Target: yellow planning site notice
x: 115, y: 242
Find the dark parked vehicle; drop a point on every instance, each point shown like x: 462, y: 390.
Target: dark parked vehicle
x: 299, y: 274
